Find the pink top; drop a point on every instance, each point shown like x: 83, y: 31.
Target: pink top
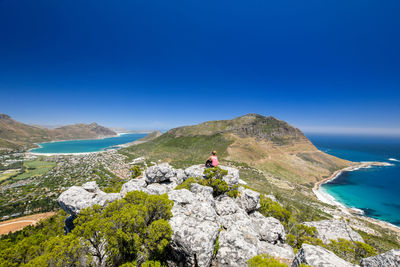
x: 214, y: 161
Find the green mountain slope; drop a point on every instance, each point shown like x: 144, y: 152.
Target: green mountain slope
x: 266, y: 143
x: 14, y: 134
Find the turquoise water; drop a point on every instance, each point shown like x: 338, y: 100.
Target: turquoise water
x: 374, y: 190
x: 81, y: 146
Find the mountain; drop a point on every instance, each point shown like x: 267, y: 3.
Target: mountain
x: 14, y: 135
x: 266, y: 143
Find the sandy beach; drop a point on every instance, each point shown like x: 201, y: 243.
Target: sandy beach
x: 328, y: 199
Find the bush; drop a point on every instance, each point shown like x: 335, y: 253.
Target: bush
x: 271, y: 208
x: 133, y: 231
x: 300, y: 234
x: 264, y: 261
x: 187, y: 183
x: 136, y: 171
x: 351, y: 251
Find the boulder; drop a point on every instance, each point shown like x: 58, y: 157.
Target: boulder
x: 195, y: 227
x: 195, y: 171
x: 237, y: 245
x: 159, y: 173
x: 248, y: 200
x: 77, y: 198
x: 268, y: 228
x: 281, y: 251
x: 334, y: 229
x: 387, y: 259
x: 318, y: 256
x: 180, y: 176
x: 225, y: 205
x: 133, y: 185
x: 182, y: 196
x: 157, y: 189
x: 91, y: 187
x: 205, y: 193
x: 232, y: 178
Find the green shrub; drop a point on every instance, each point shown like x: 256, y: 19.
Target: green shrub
x: 133, y: 231
x: 187, y: 183
x: 264, y: 261
x: 136, y: 171
x: 215, y: 173
x: 271, y: 208
x: 351, y: 251
x: 234, y: 192
x: 300, y: 234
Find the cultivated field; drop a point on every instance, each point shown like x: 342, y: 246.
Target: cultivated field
x: 19, y: 223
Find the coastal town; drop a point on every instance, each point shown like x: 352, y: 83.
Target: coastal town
x: 30, y: 183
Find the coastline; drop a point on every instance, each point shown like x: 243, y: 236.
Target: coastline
x: 116, y: 147
x: 331, y: 200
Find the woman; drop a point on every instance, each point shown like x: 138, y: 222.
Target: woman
x: 212, y: 160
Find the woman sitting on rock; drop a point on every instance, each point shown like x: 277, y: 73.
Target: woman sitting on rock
x: 212, y: 161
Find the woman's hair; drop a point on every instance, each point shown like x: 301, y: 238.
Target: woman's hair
x: 214, y: 152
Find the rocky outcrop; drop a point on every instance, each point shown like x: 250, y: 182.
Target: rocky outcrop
x: 199, y: 218
x: 248, y: 200
x: 268, y: 228
x: 159, y: 173
x: 195, y: 226
x: 334, y: 229
x: 133, y: 185
x: 318, y: 256
x: 77, y: 198
x: 231, y: 178
x: 388, y: 259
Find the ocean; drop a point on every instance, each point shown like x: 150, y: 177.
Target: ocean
x: 375, y: 190
x: 82, y: 146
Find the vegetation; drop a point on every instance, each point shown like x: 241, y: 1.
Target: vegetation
x: 136, y: 171
x: 264, y: 261
x: 351, y: 251
x: 383, y: 243
x: 213, y: 178
x: 130, y: 231
x: 182, y: 151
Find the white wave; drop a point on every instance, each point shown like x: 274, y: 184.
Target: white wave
x: 358, y: 211
x: 393, y: 159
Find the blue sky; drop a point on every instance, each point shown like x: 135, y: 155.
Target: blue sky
x: 320, y: 65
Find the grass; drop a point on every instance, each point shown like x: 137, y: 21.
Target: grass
x: 34, y: 168
x: 7, y: 174
x: 181, y: 151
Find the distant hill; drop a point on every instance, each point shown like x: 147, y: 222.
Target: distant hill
x: 266, y: 143
x: 14, y: 135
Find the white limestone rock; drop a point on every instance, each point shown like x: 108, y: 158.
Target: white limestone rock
x: 282, y: 251
x: 91, y: 187
x: 248, y: 200
x: 225, y: 205
x: 318, y: 256
x: 195, y: 227
x: 159, y: 173
x: 387, y: 259
x: 157, y: 189
x: 195, y: 171
x: 237, y: 245
x: 268, y: 228
x: 76, y: 198
x: 334, y: 229
x: 137, y: 184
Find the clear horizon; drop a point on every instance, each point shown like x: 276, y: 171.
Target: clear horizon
x: 325, y: 67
